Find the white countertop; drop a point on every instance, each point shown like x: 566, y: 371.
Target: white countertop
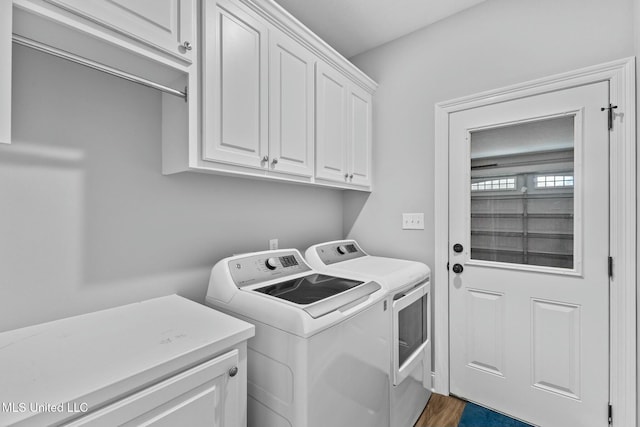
x: 105, y: 355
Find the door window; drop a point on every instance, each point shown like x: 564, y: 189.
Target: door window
x: 522, y: 193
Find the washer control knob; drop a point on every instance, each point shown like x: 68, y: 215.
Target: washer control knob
x: 271, y: 263
x: 342, y: 250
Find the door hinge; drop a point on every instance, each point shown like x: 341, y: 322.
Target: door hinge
x: 447, y: 266
x: 609, y: 110
x: 610, y: 266
x: 610, y: 414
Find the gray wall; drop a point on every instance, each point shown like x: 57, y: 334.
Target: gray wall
x: 87, y: 221
x: 497, y: 43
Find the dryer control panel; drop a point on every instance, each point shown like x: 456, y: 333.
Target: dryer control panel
x: 334, y: 252
x: 257, y: 268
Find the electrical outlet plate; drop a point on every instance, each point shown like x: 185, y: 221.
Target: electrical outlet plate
x: 413, y: 221
x: 273, y: 244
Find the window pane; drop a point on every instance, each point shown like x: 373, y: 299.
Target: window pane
x: 522, y: 199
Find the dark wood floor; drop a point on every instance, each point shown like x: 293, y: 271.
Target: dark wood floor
x: 441, y: 411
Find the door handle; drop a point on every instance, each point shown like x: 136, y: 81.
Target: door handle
x: 458, y: 268
x: 458, y: 248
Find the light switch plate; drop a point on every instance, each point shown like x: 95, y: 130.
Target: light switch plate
x: 273, y: 244
x: 413, y: 221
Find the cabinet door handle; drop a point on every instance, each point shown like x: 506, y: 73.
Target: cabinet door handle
x: 274, y: 161
x: 351, y: 176
x: 346, y: 176
x: 265, y: 159
x: 187, y: 46
x: 233, y: 371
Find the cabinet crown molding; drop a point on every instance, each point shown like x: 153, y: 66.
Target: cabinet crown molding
x: 283, y: 20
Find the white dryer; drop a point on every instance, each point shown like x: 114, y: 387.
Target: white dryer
x: 408, y: 288
x: 320, y: 354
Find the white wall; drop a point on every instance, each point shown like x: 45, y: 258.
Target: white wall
x: 87, y: 220
x: 497, y: 43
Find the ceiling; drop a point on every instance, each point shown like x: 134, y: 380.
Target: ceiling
x: 355, y: 26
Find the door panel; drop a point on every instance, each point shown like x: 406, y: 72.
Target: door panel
x: 360, y: 137
x: 529, y: 204
x: 236, y: 87
x: 331, y: 131
x: 556, y: 357
x: 202, y: 396
x: 486, y: 331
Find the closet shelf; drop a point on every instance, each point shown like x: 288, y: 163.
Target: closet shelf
x: 508, y: 233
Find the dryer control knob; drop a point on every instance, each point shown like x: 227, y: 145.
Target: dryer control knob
x: 271, y: 263
x: 342, y: 250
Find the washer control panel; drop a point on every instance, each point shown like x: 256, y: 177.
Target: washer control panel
x: 256, y: 268
x: 339, y: 251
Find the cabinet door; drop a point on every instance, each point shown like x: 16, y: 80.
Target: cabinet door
x: 202, y: 396
x: 163, y: 24
x: 236, y: 86
x: 359, y: 146
x: 6, y: 9
x: 331, y: 124
x: 291, y: 106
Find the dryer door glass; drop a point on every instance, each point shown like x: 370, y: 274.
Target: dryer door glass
x: 412, y: 328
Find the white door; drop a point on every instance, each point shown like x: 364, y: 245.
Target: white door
x: 529, y: 283
x: 291, y: 112
x: 331, y: 124
x: 164, y: 24
x: 236, y: 86
x: 359, y: 137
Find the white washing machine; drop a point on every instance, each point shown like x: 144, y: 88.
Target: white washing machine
x: 408, y: 288
x: 321, y: 351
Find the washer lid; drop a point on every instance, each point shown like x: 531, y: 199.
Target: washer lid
x: 320, y: 294
x: 309, y: 289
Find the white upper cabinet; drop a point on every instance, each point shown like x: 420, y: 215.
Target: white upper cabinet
x: 331, y: 107
x: 235, y: 105
x: 359, y: 144
x: 200, y: 396
x: 291, y: 95
x: 343, y: 145
x: 166, y: 25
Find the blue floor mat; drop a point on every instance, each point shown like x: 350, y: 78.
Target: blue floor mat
x: 477, y: 416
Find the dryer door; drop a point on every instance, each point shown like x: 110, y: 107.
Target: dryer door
x: 411, y: 314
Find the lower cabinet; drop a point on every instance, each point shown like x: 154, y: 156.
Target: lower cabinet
x: 167, y: 361
x: 206, y: 395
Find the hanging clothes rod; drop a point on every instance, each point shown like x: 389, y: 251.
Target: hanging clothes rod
x: 24, y: 41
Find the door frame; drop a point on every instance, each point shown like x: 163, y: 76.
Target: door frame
x: 622, y: 224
